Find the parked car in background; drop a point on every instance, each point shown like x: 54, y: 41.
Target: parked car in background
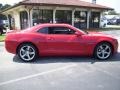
x: 2, y: 27
x: 111, y: 21
x: 6, y: 23
x: 118, y: 22
x: 59, y: 40
x: 103, y: 23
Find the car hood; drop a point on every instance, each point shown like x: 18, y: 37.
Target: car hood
x: 95, y: 33
x: 100, y: 34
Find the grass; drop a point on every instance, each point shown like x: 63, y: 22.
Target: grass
x: 2, y: 38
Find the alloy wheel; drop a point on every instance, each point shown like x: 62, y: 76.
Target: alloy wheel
x: 27, y: 52
x: 104, y: 51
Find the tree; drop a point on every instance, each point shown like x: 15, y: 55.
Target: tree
x: 5, y: 6
x: 2, y: 7
x: 113, y: 12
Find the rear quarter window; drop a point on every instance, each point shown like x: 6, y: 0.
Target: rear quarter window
x: 44, y: 30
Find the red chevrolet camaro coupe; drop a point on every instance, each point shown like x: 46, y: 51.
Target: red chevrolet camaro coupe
x: 59, y: 40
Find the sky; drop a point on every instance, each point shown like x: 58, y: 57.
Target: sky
x: 110, y: 3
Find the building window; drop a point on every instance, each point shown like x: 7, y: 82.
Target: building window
x: 94, y: 19
x: 42, y: 16
x: 64, y: 16
x: 80, y: 20
x: 24, y: 19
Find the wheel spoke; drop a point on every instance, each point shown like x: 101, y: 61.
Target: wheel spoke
x: 106, y: 48
x: 101, y: 47
x: 103, y: 55
x: 22, y: 50
x: 23, y: 55
x: 99, y: 52
x: 28, y: 48
x: 28, y: 56
x: 107, y: 52
x: 31, y: 53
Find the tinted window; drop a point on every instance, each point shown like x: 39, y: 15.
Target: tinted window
x: 56, y: 30
x: 60, y: 30
x: 44, y: 30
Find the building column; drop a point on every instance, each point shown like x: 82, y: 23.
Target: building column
x: 101, y: 15
x: 31, y: 17
x: 73, y: 12
x: 8, y: 28
x: 88, y: 19
x: 28, y: 13
x: 54, y: 15
x: 30, y: 21
x: 16, y: 16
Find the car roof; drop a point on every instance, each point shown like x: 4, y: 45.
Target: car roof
x: 39, y: 26
x: 34, y: 28
x: 54, y: 24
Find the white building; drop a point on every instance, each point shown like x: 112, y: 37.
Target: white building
x: 80, y: 14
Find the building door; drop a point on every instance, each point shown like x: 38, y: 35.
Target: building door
x: 94, y: 19
x: 80, y: 20
x: 24, y: 19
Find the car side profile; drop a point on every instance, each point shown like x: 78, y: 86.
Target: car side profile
x: 59, y: 40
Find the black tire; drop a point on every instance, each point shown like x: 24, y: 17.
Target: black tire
x: 27, y: 52
x: 103, y: 53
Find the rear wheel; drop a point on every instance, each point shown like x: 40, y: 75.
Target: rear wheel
x: 27, y: 52
x: 103, y: 51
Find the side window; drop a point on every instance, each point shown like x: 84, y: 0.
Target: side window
x: 60, y: 30
x: 56, y: 30
x: 44, y: 30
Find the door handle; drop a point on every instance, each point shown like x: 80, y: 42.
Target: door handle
x: 50, y: 38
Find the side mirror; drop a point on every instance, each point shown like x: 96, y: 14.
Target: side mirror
x: 77, y: 34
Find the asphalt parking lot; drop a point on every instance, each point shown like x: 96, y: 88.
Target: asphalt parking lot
x: 60, y: 73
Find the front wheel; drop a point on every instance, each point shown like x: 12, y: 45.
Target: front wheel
x: 103, y: 51
x: 27, y: 52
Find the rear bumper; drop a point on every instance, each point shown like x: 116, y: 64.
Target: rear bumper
x: 11, y: 46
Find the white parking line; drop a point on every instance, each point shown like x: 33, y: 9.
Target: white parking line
x: 36, y: 75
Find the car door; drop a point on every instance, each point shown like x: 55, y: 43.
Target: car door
x: 63, y: 41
